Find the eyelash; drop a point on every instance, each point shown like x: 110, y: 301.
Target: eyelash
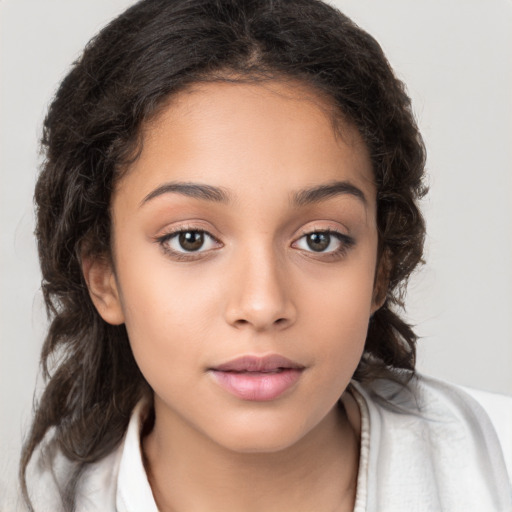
x: 345, y: 243
x: 184, y: 255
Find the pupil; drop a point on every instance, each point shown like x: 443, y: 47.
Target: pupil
x: 191, y: 240
x: 318, y: 241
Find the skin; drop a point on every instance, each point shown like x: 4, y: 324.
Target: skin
x: 255, y: 287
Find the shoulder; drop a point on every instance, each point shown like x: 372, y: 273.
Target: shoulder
x: 498, y: 408
x: 427, y: 398
x: 99, y: 486
x: 432, y: 443
x: 51, y: 475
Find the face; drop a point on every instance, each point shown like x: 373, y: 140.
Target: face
x: 245, y: 252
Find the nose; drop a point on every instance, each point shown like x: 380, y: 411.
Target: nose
x: 260, y: 295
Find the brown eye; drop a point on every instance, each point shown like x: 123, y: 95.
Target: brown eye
x: 318, y: 242
x: 324, y: 243
x: 191, y: 240
x: 188, y: 241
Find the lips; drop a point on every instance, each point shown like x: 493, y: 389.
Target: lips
x: 257, y: 378
x: 269, y: 363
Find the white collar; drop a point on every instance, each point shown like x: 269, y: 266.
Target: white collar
x: 424, y: 447
x: 133, y: 490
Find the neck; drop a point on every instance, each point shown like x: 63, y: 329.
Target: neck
x: 317, y: 473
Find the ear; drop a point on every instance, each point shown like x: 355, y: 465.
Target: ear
x: 101, y: 282
x: 380, y: 286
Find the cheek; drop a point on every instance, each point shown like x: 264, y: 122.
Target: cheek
x: 167, y: 315
x: 342, y: 327
x: 339, y: 309
x: 342, y: 298
x: 174, y: 319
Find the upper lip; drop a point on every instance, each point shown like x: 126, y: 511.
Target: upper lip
x: 250, y: 363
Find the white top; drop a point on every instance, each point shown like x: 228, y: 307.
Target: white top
x: 426, y: 448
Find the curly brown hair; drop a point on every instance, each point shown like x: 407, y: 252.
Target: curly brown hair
x: 93, y: 129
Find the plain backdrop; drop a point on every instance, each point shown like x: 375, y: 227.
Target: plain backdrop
x: 455, y: 57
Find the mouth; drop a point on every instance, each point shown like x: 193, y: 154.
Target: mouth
x: 265, y: 364
x: 256, y: 378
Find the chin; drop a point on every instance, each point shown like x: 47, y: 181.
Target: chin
x: 268, y: 436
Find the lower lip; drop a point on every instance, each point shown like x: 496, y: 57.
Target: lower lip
x: 257, y: 386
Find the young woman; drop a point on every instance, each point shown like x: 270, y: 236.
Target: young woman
x: 227, y: 218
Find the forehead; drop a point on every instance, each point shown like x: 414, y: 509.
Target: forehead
x: 249, y: 136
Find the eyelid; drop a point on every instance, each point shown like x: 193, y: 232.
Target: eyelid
x: 345, y: 242
x: 329, y: 231
x: 183, y: 255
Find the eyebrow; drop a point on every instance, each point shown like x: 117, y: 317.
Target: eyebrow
x: 219, y: 195
x: 323, y: 192
x: 195, y: 190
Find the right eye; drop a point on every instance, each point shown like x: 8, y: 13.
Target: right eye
x: 188, y: 241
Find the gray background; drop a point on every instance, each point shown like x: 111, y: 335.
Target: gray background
x: 456, y: 59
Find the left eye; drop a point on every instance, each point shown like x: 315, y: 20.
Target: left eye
x: 189, y: 241
x: 320, y: 241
